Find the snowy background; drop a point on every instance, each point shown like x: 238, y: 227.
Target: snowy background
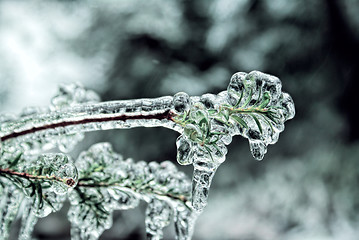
x: 307, y: 185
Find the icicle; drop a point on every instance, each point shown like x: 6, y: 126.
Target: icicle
x: 201, y: 182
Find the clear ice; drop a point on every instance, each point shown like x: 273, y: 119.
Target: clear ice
x: 158, y: 216
x: 253, y: 106
x: 10, y: 201
x: 28, y: 222
x: 109, y: 182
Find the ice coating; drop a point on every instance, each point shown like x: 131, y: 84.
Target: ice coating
x: 158, y: 216
x: 55, y: 168
x: 262, y: 106
x: 9, y: 156
x: 9, y: 206
x: 28, y: 222
x: 91, y: 217
x: 73, y: 94
x: 64, y: 127
x: 184, y: 220
x: 253, y: 106
x: 113, y: 183
x: 201, y: 181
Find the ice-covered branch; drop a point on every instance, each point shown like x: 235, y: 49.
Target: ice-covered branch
x: 253, y: 106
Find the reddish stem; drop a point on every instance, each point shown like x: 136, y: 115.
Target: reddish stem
x: 165, y: 115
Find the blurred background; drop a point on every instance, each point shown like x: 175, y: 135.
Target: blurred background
x: 307, y: 185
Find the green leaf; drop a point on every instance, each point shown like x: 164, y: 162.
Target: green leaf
x: 239, y: 120
x: 212, y: 111
x: 265, y: 100
x: 16, y: 160
x: 225, y: 114
x: 249, y: 98
x: 257, y: 122
x: 209, y: 151
x: 239, y: 100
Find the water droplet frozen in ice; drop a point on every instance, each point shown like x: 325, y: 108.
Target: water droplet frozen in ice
x: 181, y: 102
x: 209, y: 101
x: 184, y: 151
x: 68, y: 173
x: 258, y: 149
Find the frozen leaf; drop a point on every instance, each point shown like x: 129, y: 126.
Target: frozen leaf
x: 260, y: 109
x: 28, y: 222
x: 72, y: 94
x: 158, y: 216
x: 10, y: 201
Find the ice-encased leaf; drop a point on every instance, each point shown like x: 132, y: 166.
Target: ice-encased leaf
x: 158, y: 216
x: 9, y: 156
x: 28, y: 221
x: 43, y: 180
x: 47, y: 202
x: 91, y: 211
x: 184, y: 220
x: 72, y: 94
x: 56, y: 169
x: 107, y: 182
x: 10, y: 201
x: 259, y: 109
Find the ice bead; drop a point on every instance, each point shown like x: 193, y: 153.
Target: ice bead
x: 184, y: 151
x: 181, y: 102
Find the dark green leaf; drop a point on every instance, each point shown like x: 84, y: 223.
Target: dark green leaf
x: 239, y: 120
x: 257, y: 122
